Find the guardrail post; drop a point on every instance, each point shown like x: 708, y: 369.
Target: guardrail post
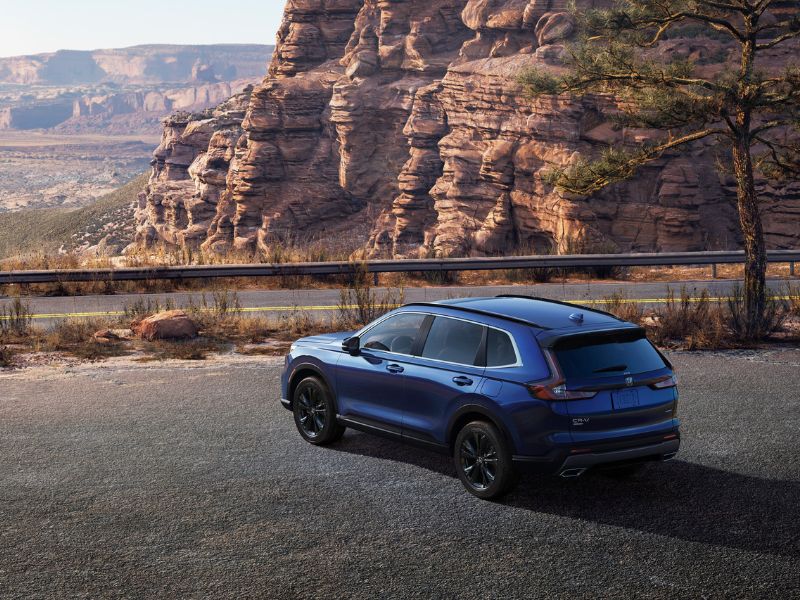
x: 375, y: 278
x: 714, y: 271
x: 791, y: 269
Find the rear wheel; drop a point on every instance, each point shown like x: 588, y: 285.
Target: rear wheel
x: 483, y: 460
x: 315, y: 412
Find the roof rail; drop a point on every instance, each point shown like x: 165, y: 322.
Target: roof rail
x: 476, y: 311
x: 570, y: 304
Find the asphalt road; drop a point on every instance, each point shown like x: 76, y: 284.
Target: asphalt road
x: 265, y: 302
x: 175, y: 481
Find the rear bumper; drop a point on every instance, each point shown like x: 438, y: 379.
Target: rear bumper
x: 556, y: 462
x: 663, y: 451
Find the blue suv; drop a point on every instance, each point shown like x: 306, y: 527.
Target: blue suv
x: 500, y: 384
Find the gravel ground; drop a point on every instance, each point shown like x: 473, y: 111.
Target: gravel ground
x: 184, y: 480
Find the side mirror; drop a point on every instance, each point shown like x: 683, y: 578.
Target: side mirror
x: 352, y: 345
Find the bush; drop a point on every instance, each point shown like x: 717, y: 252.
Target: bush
x: 623, y: 308
x: 793, y: 300
x: 6, y: 357
x: 141, y: 308
x: 775, y: 313
x: 691, y: 320
x: 16, y: 320
x: 358, y: 303
x: 581, y: 246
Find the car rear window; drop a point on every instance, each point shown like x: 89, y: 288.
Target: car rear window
x: 607, y: 357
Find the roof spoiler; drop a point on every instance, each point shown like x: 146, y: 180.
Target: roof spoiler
x: 549, y: 339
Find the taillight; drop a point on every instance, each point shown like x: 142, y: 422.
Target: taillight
x: 555, y: 388
x: 667, y: 382
x: 558, y: 392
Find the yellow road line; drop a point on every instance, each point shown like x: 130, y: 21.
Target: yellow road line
x: 323, y: 308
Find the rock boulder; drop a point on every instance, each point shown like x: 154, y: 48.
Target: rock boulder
x: 169, y: 325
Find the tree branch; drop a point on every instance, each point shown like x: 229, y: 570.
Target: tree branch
x: 787, y: 168
x: 778, y: 40
x: 586, y: 178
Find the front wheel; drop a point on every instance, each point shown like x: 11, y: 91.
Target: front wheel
x: 315, y: 412
x: 483, y: 460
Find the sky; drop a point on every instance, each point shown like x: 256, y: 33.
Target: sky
x: 34, y: 26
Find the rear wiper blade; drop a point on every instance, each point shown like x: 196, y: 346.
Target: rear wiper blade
x: 611, y: 368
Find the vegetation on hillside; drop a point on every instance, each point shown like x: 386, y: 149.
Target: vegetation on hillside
x: 48, y: 231
x: 751, y: 109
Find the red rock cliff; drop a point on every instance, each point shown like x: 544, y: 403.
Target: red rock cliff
x: 398, y: 126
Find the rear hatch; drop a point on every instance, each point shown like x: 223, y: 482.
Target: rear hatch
x: 622, y: 387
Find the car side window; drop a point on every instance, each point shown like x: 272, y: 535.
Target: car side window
x: 499, y: 349
x: 455, y: 341
x: 395, y: 334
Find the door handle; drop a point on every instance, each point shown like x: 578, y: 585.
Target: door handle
x: 394, y: 368
x: 461, y: 380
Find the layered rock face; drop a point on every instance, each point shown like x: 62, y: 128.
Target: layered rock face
x: 398, y: 125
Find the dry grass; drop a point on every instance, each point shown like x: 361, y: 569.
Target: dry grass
x: 75, y: 337
x: 6, y: 357
x: 15, y: 321
x: 359, y: 304
x: 622, y: 307
x: 685, y: 320
x: 198, y: 349
x: 793, y: 300
x: 695, y: 322
x: 281, y: 253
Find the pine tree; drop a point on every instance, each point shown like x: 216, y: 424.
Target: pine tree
x: 752, y: 111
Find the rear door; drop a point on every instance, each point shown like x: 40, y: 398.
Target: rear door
x: 449, y: 367
x: 624, y: 370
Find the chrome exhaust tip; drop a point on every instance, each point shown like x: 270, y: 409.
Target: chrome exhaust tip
x: 572, y: 473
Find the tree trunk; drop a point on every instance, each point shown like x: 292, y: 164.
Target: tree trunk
x: 755, y: 269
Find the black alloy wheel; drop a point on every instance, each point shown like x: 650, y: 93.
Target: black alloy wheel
x: 315, y: 412
x: 483, y: 460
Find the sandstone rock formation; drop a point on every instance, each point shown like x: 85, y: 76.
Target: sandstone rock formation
x: 398, y: 126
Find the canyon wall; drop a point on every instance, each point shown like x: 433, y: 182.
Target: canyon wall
x: 398, y: 126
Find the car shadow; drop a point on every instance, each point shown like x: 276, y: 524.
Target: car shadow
x: 677, y: 499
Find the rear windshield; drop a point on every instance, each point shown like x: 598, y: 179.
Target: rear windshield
x: 603, y: 357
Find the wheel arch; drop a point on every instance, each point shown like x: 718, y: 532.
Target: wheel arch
x: 302, y: 371
x: 476, y: 412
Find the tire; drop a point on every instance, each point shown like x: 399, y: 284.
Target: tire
x: 625, y: 472
x: 483, y: 462
x: 315, y: 412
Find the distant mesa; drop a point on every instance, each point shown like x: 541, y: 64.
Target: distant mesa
x: 124, y: 90
x: 138, y: 65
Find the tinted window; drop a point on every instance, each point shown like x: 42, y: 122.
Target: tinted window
x: 499, y: 349
x: 395, y: 334
x: 453, y: 341
x: 608, y: 358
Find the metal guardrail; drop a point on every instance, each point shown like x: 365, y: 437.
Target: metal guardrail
x: 390, y: 266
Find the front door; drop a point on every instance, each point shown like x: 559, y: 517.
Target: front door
x: 370, y: 385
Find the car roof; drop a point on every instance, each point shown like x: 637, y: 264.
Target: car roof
x: 540, y: 313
